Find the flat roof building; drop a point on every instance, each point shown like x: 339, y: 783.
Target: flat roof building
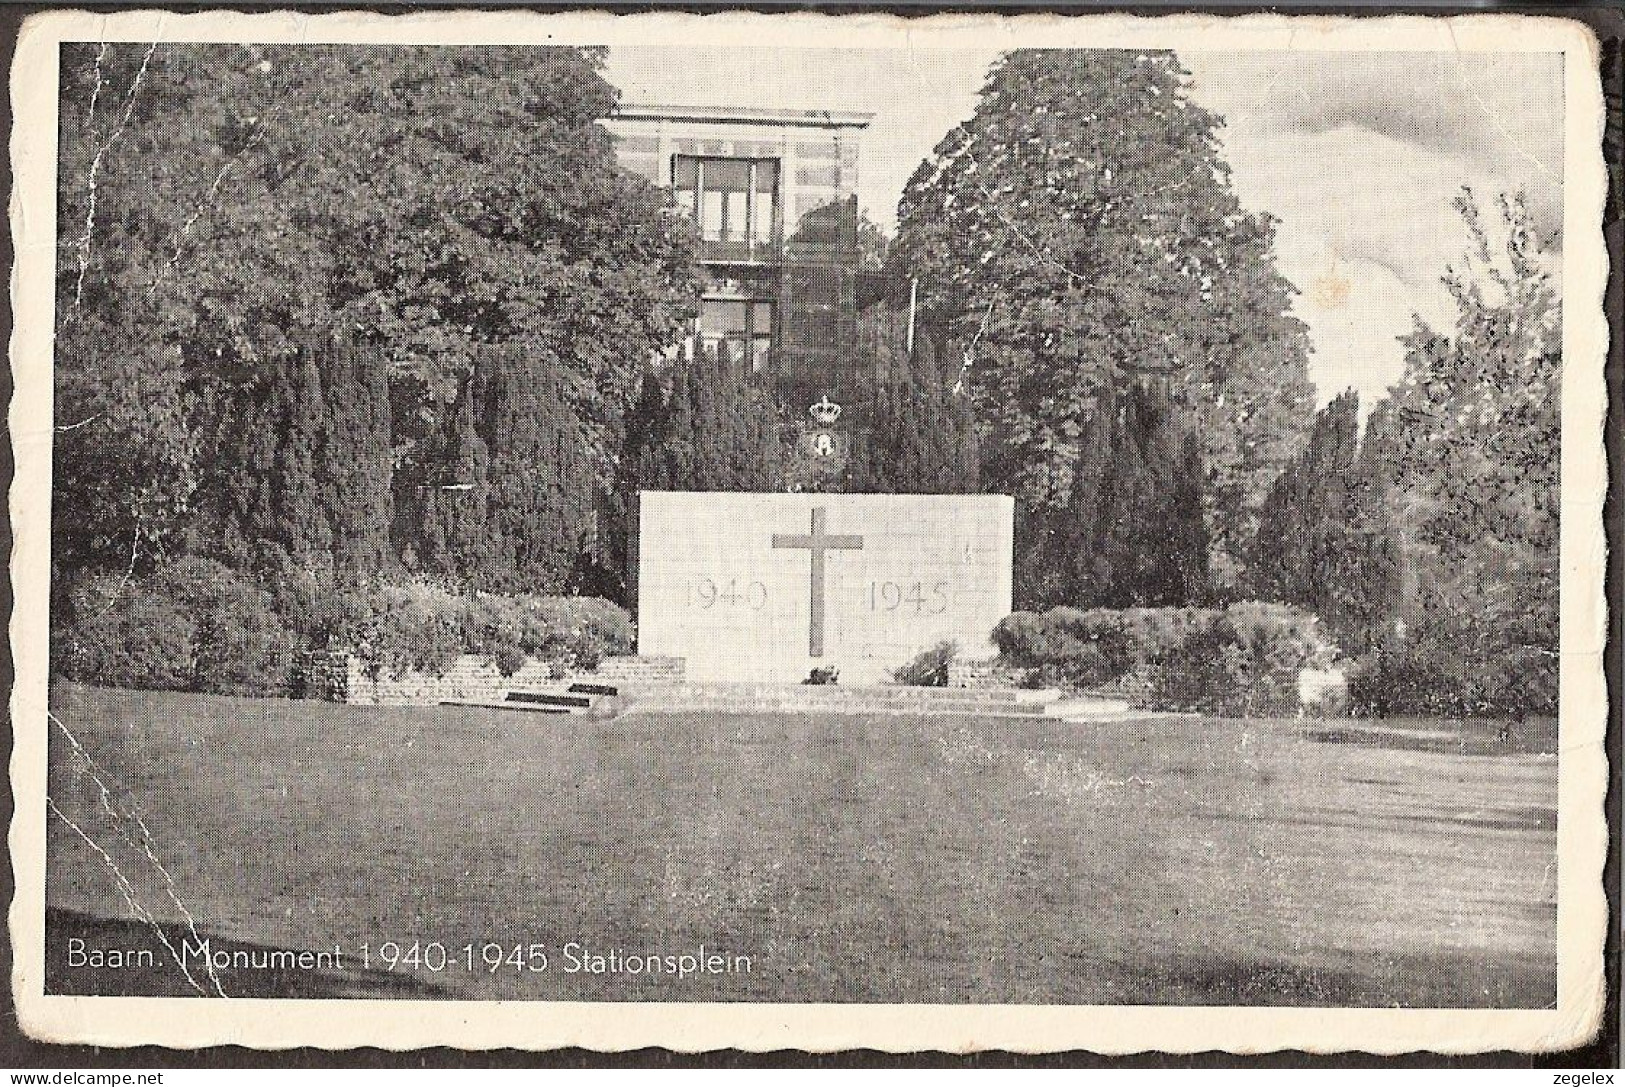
x: 774, y: 194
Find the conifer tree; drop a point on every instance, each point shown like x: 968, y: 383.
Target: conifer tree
x: 271, y: 509
x: 304, y: 475
x: 357, y: 455
x: 1132, y: 533
x: 714, y: 430
x: 515, y: 510
x: 645, y: 429
x: 918, y: 439
x: 298, y: 519
x: 1185, y: 575
x: 915, y: 435
x: 453, y: 501
x: 1324, y: 541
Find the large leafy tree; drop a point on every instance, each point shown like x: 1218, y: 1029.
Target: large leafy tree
x: 1078, y: 232
x: 216, y: 203
x: 1468, y: 442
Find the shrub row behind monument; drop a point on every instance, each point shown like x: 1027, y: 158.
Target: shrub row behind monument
x: 193, y: 624
x: 1240, y: 660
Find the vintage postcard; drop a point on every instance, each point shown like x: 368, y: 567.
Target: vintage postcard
x: 790, y: 531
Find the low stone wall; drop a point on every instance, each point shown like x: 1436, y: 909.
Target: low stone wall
x: 1323, y: 689
x: 341, y: 677
x: 640, y: 669
x: 1319, y: 690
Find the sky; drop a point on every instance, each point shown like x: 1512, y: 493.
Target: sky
x: 1359, y: 156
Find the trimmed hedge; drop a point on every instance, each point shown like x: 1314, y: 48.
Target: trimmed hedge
x: 423, y: 627
x: 195, y: 625
x: 190, y: 625
x: 1243, y: 660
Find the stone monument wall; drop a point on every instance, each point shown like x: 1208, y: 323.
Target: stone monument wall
x: 767, y: 587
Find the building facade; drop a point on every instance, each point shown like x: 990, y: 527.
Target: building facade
x: 774, y: 195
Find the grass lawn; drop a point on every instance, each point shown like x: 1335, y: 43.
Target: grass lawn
x: 884, y: 858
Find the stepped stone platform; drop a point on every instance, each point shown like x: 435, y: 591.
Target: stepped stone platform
x: 504, y: 704
x: 582, y: 697
x: 833, y: 698
x: 575, y: 698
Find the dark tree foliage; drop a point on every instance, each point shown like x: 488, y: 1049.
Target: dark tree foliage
x: 697, y: 426
x: 514, y: 505
x: 1324, y: 538
x: 301, y: 466
x: 285, y: 507
x: 220, y: 203
x: 915, y: 437
x: 1133, y: 532
x: 447, y: 514
x: 714, y: 429
x: 1080, y: 232
x: 358, y: 457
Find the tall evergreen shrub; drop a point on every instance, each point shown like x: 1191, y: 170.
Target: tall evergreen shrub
x: 302, y: 471
x: 1132, y: 533
x: 511, y: 503
x: 1325, y: 541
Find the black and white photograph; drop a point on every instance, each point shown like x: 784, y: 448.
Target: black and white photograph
x: 773, y: 515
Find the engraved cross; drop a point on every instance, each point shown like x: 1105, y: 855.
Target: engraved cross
x: 817, y: 542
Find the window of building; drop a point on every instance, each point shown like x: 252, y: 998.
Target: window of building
x: 738, y: 332
x: 735, y: 201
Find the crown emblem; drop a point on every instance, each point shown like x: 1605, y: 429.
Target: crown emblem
x: 826, y: 411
